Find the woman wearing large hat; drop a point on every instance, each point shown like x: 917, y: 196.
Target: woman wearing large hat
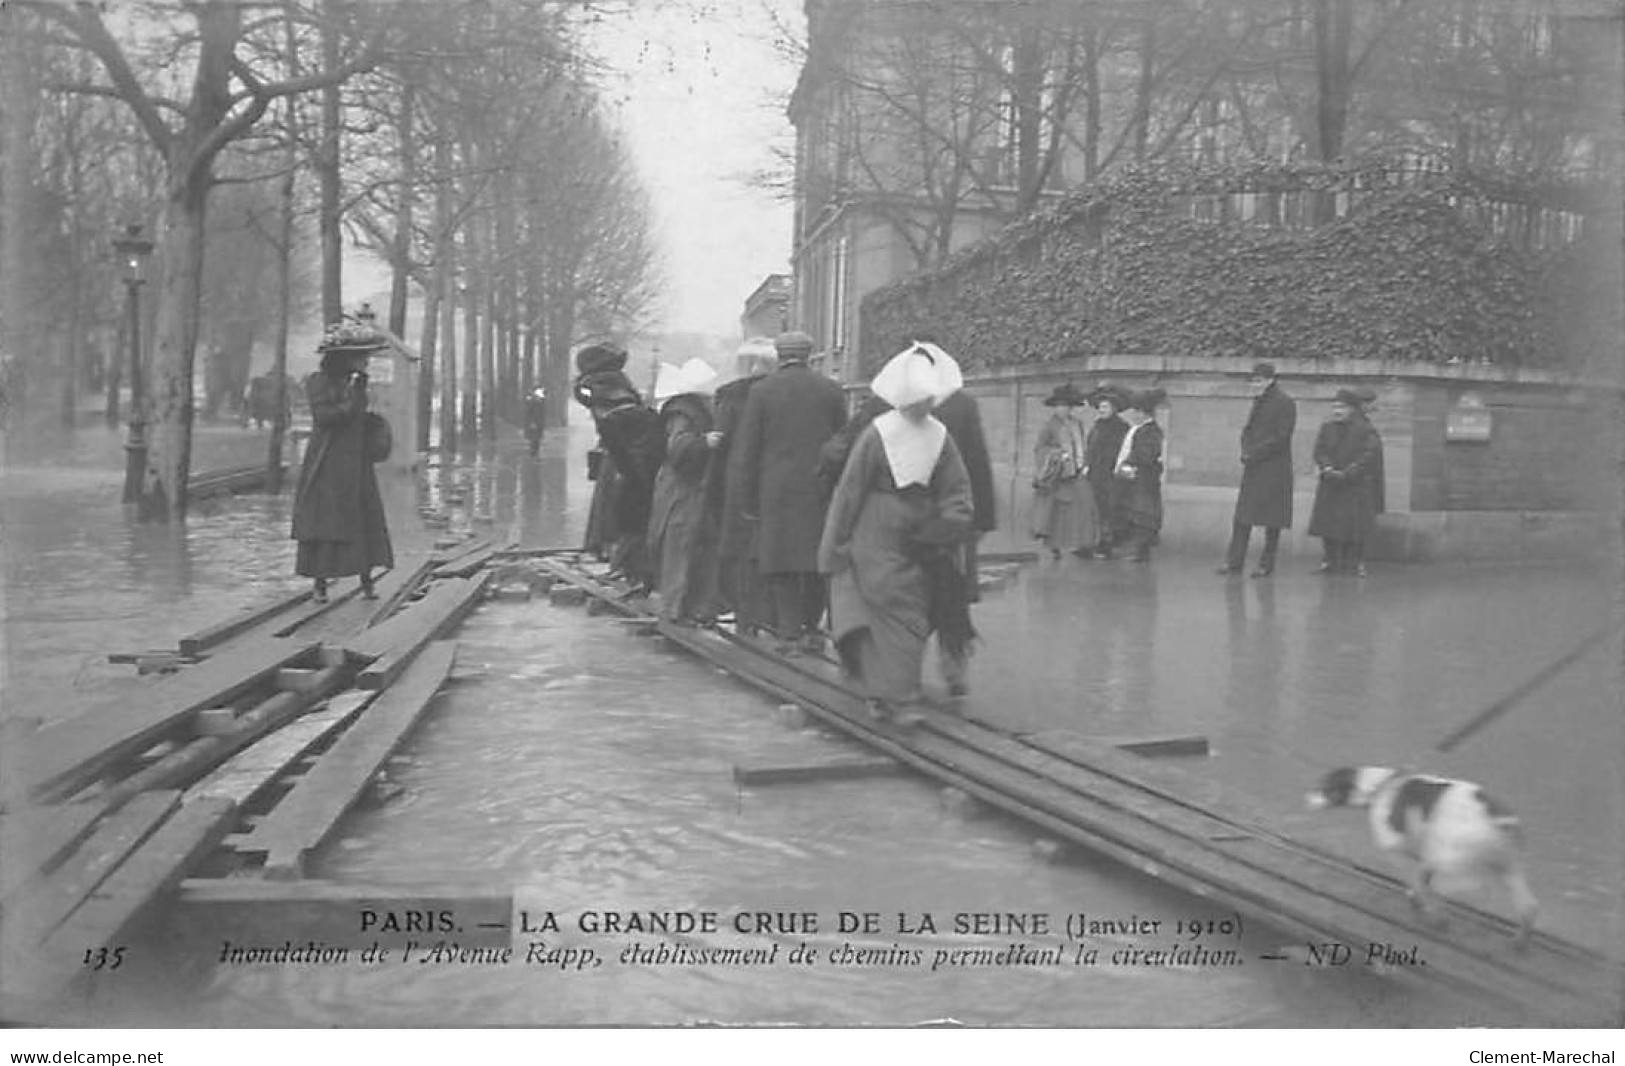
x: 1137, y: 476
x: 1100, y: 456
x: 1347, y: 452
x: 338, y: 512
x: 1063, y: 513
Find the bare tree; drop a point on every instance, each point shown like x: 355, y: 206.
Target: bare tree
x: 228, y: 97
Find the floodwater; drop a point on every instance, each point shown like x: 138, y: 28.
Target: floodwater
x: 587, y: 768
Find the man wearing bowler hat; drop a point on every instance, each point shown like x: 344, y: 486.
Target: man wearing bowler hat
x: 773, y: 482
x: 1265, y: 498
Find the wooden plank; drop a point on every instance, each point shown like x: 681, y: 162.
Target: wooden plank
x: 397, y: 642
x: 241, y: 777
x: 472, y: 546
x: 63, y: 758
x: 848, y: 768
x: 191, y: 761
x: 197, y: 642
x: 33, y: 841
x: 466, y: 564
x: 111, y: 915
x: 253, y: 910
x: 307, y: 815
x: 618, y: 601
x: 399, y: 583
x: 33, y: 914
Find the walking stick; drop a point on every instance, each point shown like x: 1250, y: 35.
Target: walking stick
x: 1511, y: 699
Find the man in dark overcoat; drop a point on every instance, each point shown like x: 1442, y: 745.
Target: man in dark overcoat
x: 1265, y: 498
x: 1100, y: 458
x: 773, y: 476
x: 739, y: 587
x: 1347, y: 450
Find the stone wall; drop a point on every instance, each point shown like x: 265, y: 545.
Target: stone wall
x: 1538, y: 487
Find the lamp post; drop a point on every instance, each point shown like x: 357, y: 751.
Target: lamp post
x: 133, y: 250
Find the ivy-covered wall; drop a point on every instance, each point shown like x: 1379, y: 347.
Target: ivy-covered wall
x: 1342, y: 262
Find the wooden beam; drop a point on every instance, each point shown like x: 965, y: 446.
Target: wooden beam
x: 62, y: 758
x: 241, y: 777
x: 847, y: 768
x: 395, y: 643
x: 307, y: 815
x: 254, y: 910
x: 35, y: 913
x: 396, y: 586
x: 126, y: 898
x: 34, y: 840
x: 191, y: 761
x: 195, y: 643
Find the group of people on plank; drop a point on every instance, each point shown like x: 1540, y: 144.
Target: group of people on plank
x: 766, y: 501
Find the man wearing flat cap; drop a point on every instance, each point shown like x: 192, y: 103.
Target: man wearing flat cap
x: 1265, y: 498
x: 773, y: 482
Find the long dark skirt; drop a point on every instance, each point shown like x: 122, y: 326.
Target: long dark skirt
x: 337, y: 558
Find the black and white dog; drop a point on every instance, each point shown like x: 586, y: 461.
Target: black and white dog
x: 1452, y: 829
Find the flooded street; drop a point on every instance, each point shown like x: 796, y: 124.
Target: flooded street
x: 584, y: 767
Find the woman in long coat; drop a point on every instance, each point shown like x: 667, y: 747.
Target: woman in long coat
x: 338, y: 513
x: 1099, y: 459
x: 901, y: 508
x: 1137, y: 477
x: 1063, y: 509
x: 1347, y: 454
x: 682, y: 539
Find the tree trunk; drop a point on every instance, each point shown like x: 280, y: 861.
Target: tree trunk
x: 284, y: 312
x: 488, y: 361
x: 426, y: 355
x: 327, y: 169
x: 167, y: 406
x: 1144, y: 88
x: 448, y: 358
x: 1334, y: 24
x: 113, y: 380
x: 402, y: 254
x: 16, y: 166
x: 470, y: 424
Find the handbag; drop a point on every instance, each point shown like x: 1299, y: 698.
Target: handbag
x: 380, y: 439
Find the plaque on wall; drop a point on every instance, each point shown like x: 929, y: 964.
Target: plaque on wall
x: 1468, y: 420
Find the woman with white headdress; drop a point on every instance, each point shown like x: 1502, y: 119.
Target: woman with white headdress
x: 681, y: 540
x: 901, y: 508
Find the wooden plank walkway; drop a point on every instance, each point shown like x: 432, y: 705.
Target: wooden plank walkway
x: 1134, y: 811
x: 62, y: 758
x: 111, y: 915
x: 1099, y: 798
x: 199, y: 641
x: 394, y: 643
x: 34, y: 840
x: 242, y: 777
x: 308, y: 814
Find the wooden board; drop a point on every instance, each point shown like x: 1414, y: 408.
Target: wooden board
x: 124, y: 899
x: 34, y: 913
x: 197, y: 642
x: 307, y: 815
x: 63, y: 758
x: 395, y: 643
x: 253, y: 910
x: 848, y: 768
x: 394, y: 587
x: 36, y: 839
x: 241, y: 777
x: 467, y: 563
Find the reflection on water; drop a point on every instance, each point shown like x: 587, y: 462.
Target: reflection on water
x: 586, y: 767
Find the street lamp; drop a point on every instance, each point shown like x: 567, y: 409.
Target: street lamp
x: 133, y: 250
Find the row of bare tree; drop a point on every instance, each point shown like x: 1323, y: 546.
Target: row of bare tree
x: 931, y: 109
x: 463, y: 141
